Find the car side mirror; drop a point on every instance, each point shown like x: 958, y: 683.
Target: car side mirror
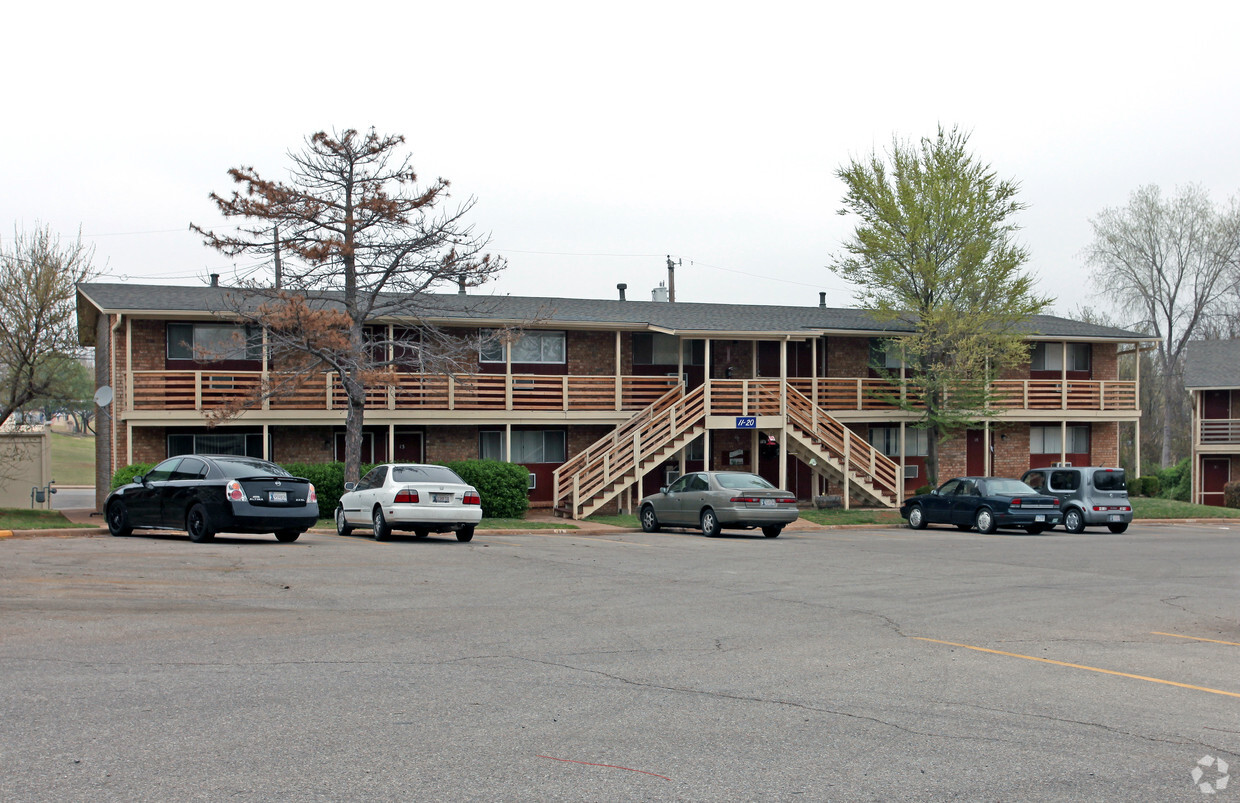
x: 662, y: 489
x: 139, y: 480
x: 348, y: 486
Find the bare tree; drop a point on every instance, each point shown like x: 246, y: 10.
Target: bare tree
x: 352, y: 237
x: 1173, y: 262
x: 38, y: 315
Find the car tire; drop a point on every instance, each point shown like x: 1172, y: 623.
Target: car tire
x: 379, y: 526
x: 772, y: 531
x: 421, y: 532
x: 1117, y: 528
x: 198, y: 525
x: 466, y: 533
x: 287, y: 536
x: 985, y: 521
x: 1036, y: 529
x: 118, y: 520
x: 710, y: 523
x: 1074, y: 520
x: 342, y: 524
x: 916, y: 518
x: 650, y: 519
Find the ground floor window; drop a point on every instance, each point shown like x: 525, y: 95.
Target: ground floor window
x: 887, y: 441
x: 234, y: 443
x: 528, y: 446
x: 1049, y: 440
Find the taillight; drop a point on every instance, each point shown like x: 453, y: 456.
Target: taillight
x: 472, y: 498
x: 233, y: 491
x: 313, y: 497
x: 407, y: 496
x: 744, y: 499
x: 1016, y: 501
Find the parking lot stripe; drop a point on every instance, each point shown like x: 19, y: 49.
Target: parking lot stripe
x: 1082, y: 666
x: 1195, y: 638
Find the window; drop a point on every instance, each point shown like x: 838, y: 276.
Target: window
x: 887, y: 441
x: 1049, y: 357
x: 531, y: 347
x: 190, y: 468
x: 373, y: 479
x: 214, y: 342
x: 239, y: 443
x: 655, y: 348
x: 885, y: 354
x: 1046, y: 440
x: 528, y: 446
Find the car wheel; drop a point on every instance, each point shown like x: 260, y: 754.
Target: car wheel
x: 772, y: 531
x: 118, y: 519
x: 650, y: 520
x: 342, y: 524
x: 916, y: 518
x: 1074, y: 520
x: 1117, y: 528
x: 985, y: 521
x: 710, y: 523
x: 198, y: 525
x: 287, y: 536
x: 1036, y: 529
x: 465, y: 533
x: 421, y: 532
x: 379, y: 526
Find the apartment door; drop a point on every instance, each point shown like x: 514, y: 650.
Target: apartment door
x: 975, y: 453
x: 1216, y: 405
x: 1215, y: 473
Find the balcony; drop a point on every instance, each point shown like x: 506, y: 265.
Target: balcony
x: 1219, y: 431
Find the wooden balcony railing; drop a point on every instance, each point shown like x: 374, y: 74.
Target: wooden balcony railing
x: 193, y: 390
x: 1219, y: 430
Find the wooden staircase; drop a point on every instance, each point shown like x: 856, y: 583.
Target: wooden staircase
x: 617, y: 462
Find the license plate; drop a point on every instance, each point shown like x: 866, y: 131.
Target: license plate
x: 1115, y: 517
x: 441, y: 498
x: 277, y: 496
x: 768, y: 503
x: 1039, y: 518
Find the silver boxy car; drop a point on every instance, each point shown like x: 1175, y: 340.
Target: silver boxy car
x: 713, y: 500
x: 1093, y: 496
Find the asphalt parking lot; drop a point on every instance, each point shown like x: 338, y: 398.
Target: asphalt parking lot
x: 823, y: 665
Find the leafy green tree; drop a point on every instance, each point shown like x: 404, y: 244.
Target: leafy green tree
x: 933, y: 257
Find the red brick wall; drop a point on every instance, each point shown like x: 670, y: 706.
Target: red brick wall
x: 302, y: 444
x: 953, y: 456
x: 445, y: 444
x: 1011, y: 455
x: 591, y: 353
x: 848, y: 356
x: 734, y: 354
x: 150, y: 445
x: 149, y: 345
x: 1105, y: 363
x: 1104, y: 443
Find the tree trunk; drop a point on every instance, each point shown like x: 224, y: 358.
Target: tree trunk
x: 356, y: 393
x: 932, y: 457
x: 1168, y: 413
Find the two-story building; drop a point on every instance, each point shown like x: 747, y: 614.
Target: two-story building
x: 606, y: 400
x: 1212, y: 378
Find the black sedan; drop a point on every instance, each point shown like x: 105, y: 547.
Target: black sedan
x: 206, y: 494
x: 987, y: 503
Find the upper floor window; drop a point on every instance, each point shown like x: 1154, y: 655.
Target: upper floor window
x: 1049, y: 357
x: 655, y: 348
x: 885, y: 354
x: 887, y: 441
x: 214, y: 342
x: 1049, y: 440
x: 531, y: 347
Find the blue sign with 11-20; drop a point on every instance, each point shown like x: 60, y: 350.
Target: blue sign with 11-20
x: 746, y: 422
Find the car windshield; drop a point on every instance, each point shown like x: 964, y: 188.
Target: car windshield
x: 1008, y: 487
x: 425, y: 474
x: 1111, y: 479
x: 736, y: 482
x: 249, y: 467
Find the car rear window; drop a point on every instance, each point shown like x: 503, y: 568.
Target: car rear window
x: 736, y: 482
x: 243, y: 467
x: 1110, y: 480
x: 1008, y: 487
x: 1065, y: 480
x: 425, y: 474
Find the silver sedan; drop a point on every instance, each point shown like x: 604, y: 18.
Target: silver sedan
x: 714, y: 500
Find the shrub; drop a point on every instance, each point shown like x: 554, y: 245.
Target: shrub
x: 328, y: 479
x: 925, y: 489
x: 1231, y: 495
x: 1149, y: 486
x: 504, y: 487
x: 1176, y: 481
x: 125, y: 474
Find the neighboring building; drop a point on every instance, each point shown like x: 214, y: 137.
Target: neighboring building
x: 606, y: 400
x: 1212, y: 378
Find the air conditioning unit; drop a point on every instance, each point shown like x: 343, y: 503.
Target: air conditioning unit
x: 1061, y: 465
x: 911, y: 472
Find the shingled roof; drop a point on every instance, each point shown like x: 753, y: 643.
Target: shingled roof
x: 678, y: 317
x: 1212, y: 364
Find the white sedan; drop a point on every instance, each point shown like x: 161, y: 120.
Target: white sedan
x: 411, y: 497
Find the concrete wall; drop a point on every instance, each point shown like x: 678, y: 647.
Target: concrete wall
x: 25, y: 461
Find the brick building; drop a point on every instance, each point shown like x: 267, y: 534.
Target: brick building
x: 606, y: 400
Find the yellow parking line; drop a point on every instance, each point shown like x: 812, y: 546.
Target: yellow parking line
x: 1195, y: 638
x: 1081, y: 666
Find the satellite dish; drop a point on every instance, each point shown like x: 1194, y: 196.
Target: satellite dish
x: 103, y: 396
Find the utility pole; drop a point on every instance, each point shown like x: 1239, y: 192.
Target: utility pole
x: 279, y: 270
x: 671, y: 278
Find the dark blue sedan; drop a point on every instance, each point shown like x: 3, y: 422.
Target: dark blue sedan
x: 984, y: 503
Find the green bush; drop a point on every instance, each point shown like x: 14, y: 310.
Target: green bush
x: 125, y: 474
x: 1145, y: 486
x: 504, y: 487
x: 925, y: 489
x: 1231, y: 495
x: 1176, y: 481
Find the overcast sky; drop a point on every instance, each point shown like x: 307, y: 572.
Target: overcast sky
x: 598, y: 138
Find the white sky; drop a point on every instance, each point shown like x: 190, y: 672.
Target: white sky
x: 599, y: 137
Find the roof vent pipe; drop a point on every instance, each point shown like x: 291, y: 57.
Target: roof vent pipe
x: 460, y: 284
x: 215, y: 280
x: 822, y: 299
x: 622, y: 287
